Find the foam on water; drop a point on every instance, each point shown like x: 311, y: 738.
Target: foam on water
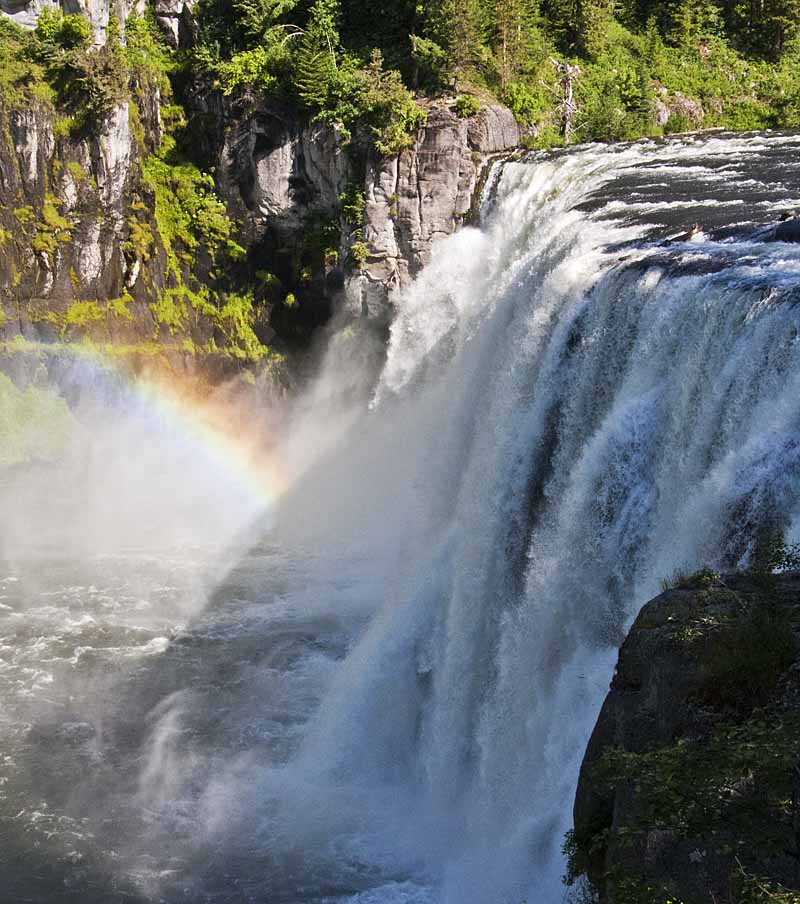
x: 387, y: 699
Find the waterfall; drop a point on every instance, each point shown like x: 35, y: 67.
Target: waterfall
x: 587, y: 408
x: 388, y: 701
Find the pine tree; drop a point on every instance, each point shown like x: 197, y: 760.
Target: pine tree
x: 514, y: 24
x: 316, y: 63
x: 455, y: 26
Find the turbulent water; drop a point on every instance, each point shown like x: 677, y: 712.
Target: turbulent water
x: 376, y: 686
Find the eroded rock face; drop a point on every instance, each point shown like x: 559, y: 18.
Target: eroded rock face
x: 279, y: 171
x: 282, y: 178
x: 703, y: 716
x: 174, y: 16
x: 176, y: 20
x: 279, y: 174
x: 422, y: 196
x: 86, y: 184
x: 24, y: 12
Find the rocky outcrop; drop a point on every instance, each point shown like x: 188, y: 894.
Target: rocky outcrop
x: 63, y: 218
x: 176, y: 20
x: 278, y: 171
x: 174, y: 16
x: 322, y: 221
x: 689, y: 788
x: 281, y: 176
x: 684, y: 112
x: 423, y: 195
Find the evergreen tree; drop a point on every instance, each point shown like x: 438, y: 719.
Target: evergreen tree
x: 513, y: 35
x: 455, y: 26
x: 316, y: 64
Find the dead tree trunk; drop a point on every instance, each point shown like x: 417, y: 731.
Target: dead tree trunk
x: 568, y: 108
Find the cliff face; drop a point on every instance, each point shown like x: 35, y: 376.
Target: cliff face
x: 423, y: 195
x: 65, y: 224
x: 280, y: 175
x: 103, y: 237
x: 689, y: 788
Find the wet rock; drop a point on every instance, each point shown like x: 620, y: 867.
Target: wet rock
x: 787, y: 231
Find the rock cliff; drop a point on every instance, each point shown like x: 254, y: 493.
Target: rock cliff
x: 103, y: 236
x: 280, y: 175
x: 690, y: 784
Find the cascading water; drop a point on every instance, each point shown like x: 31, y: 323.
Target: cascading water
x: 388, y: 698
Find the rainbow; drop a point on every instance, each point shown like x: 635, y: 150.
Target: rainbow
x: 215, y: 419
x: 223, y: 426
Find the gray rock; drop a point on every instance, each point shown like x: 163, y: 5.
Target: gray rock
x: 422, y: 196
x: 24, y: 12
x: 280, y: 171
x: 664, y: 692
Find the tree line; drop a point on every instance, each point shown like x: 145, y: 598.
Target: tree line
x: 637, y: 63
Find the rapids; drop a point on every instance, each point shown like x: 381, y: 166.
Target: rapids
x: 373, y: 684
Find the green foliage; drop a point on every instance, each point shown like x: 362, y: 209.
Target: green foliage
x: 236, y: 319
x: 53, y: 230
x: 249, y: 68
x: 750, y: 889
x: 367, y: 98
x: 21, y: 76
x: 773, y: 554
x: 59, y: 32
x: 83, y: 314
x: 351, y: 205
x: 430, y: 61
x: 188, y: 213
x: 76, y: 171
x: 524, y: 102
x: 750, y: 655
x: 23, y: 215
x: 359, y: 252
x: 738, y: 779
x: 696, y: 580
x: 466, y: 105
x: 88, y: 82
x: 145, y: 54
x: 36, y: 424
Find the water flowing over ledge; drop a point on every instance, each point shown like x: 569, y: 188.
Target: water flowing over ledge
x: 389, y: 698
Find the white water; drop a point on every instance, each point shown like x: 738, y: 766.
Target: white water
x: 389, y: 701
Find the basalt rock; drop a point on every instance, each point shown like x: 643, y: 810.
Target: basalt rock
x: 422, y: 196
x: 281, y: 176
x: 686, y: 786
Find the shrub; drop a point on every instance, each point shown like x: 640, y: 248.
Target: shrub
x: 359, y: 252
x: 523, y: 102
x: 684, y: 580
x: 466, y: 105
x: 750, y: 655
x: 55, y: 30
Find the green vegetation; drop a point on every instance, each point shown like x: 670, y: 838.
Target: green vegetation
x: 56, y: 64
x: 466, y: 105
x: 684, y: 580
x: 279, y: 48
x: 569, y: 70
x: 727, y: 781
x: 188, y: 214
x: 633, y: 62
x: 35, y: 423
x: 188, y: 227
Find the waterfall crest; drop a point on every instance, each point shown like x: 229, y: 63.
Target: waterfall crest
x: 590, y: 408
